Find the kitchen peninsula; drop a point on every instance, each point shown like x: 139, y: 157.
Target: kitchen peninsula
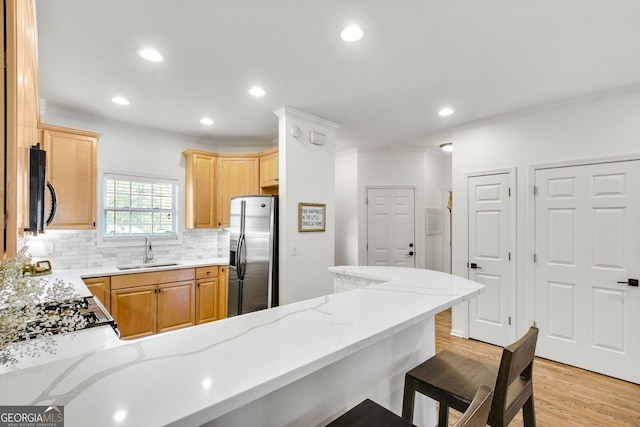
x: 299, y: 364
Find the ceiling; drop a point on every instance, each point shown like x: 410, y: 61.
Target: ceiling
x: 483, y: 58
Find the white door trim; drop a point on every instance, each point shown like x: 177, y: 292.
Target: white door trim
x: 418, y: 218
x: 531, y: 226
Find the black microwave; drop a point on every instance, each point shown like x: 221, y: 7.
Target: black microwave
x: 38, y: 185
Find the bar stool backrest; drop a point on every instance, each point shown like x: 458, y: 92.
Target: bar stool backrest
x: 514, y: 384
x: 478, y: 412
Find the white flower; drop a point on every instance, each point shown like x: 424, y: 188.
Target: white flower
x: 27, y: 316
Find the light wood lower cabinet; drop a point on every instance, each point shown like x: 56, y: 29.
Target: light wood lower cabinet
x: 135, y: 311
x: 211, y: 293
x: 176, y: 306
x: 100, y: 287
x: 148, y: 303
x: 145, y: 304
x: 223, y: 290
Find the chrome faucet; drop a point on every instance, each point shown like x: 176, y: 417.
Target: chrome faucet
x: 148, y: 251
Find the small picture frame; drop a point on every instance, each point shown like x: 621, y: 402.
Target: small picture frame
x: 311, y: 217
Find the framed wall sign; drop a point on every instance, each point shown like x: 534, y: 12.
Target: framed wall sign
x: 311, y: 217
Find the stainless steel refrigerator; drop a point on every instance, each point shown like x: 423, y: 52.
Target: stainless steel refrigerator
x: 253, y: 258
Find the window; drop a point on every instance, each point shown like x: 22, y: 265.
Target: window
x: 139, y: 206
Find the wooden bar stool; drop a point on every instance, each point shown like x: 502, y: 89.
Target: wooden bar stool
x: 453, y: 380
x: 368, y: 414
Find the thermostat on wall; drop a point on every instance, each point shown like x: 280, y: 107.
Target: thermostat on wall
x: 317, y: 138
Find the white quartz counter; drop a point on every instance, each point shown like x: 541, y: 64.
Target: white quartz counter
x: 199, y: 374
x: 99, y: 338
x: 75, y: 276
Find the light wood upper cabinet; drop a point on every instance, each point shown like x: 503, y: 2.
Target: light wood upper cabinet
x: 101, y: 288
x: 22, y: 114
x: 236, y: 176
x: 269, y: 169
x: 72, y: 170
x: 200, y: 182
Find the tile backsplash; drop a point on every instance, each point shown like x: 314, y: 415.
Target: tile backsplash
x: 79, y: 249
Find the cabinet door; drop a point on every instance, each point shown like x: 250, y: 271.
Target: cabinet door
x: 21, y: 115
x: 72, y: 170
x: 100, y: 287
x: 237, y: 176
x: 223, y: 283
x: 199, y: 190
x: 135, y: 311
x: 207, y: 300
x: 269, y: 170
x: 176, y: 305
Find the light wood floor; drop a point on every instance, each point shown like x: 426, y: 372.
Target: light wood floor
x: 564, y: 396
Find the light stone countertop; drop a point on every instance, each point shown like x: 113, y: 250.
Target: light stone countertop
x: 98, y: 338
x: 75, y: 276
x: 197, y: 374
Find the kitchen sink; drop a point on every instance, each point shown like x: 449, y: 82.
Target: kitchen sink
x: 147, y: 265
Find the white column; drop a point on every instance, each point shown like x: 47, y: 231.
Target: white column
x: 307, y: 175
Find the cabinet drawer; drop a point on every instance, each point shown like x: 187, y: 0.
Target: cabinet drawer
x: 151, y: 278
x: 206, y: 272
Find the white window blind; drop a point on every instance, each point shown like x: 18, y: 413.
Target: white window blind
x: 135, y: 206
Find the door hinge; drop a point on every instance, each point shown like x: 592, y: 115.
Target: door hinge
x: 509, y: 256
x: 367, y: 247
x: 535, y: 190
x: 535, y: 258
x: 509, y: 191
x: 509, y: 320
x: 366, y: 200
x: 534, y: 324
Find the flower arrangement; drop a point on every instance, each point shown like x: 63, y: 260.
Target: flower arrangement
x: 30, y: 311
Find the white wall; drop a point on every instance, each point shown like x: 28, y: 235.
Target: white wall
x: 307, y: 174
x: 425, y: 170
x: 346, y: 252
x: 599, y: 128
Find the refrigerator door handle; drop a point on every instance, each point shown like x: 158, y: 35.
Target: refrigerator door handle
x: 241, y: 255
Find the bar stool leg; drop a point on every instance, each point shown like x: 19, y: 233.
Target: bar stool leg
x: 443, y: 415
x: 528, y: 413
x: 408, y: 400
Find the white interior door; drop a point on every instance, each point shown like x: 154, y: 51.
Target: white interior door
x: 391, y: 226
x: 587, y: 241
x: 491, y: 316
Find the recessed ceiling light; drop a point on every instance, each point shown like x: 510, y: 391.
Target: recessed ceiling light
x: 150, y: 55
x: 446, y: 111
x: 257, y: 91
x: 352, y: 33
x: 120, y: 100
x: 447, y: 146
x: 206, y: 121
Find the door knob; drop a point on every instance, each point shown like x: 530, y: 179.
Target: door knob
x: 631, y: 282
x: 474, y: 266
x: 410, y: 253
